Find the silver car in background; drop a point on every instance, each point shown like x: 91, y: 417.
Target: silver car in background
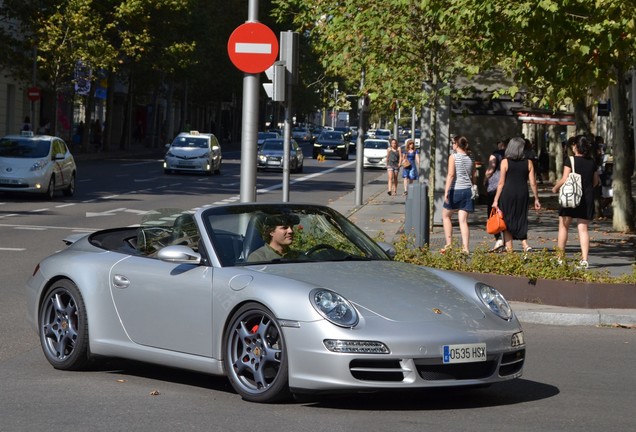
x: 200, y: 291
x: 193, y: 152
x: 375, y: 153
x: 39, y: 164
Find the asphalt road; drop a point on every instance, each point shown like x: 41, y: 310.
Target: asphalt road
x: 578, y: 378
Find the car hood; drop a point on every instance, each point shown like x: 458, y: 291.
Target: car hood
x: 329, y: 142
x: 375, y: 153
x: 11, y: 167
x: 190, y: 152
x: 276, y: 153
x: 392, y: 290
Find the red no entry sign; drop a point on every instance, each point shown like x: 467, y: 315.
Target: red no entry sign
x: 33, y: 93
x: 252, y: 47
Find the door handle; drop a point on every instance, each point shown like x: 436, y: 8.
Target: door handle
x: 120, y: 281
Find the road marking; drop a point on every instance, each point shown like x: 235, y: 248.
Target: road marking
x: 39, y: 210
x: 12, y: 249
x: 65, y: 205
x: 31, y: 228
x: 83, y: 230
x: 305, y: 178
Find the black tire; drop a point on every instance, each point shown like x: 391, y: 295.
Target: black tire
x: 49, y: 194
x: 70, y: 189
x: 301, y: 167
x: 63, y: 326
x: 256, y: 356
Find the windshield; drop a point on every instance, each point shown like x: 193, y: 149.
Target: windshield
x: 376, y: 144
x: 23, y: 148
x: 272, y: 146
x: 251, y: 233
x: 190, y: 142
x: 331, y: 135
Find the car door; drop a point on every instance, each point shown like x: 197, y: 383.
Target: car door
x: 164, y: 305
x: 62, y: 168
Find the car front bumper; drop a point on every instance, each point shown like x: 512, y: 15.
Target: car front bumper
x: 413, y: 362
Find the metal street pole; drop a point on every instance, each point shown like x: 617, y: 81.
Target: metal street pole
x: 249, y: 132
x: 360, y: 143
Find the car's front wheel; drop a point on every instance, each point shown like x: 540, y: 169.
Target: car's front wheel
x: 63, y: 326
x: 49, y: 194
x: 256, y: 355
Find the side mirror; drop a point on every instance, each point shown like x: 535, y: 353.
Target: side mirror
x: 179, y: 254
x: 388, y: 249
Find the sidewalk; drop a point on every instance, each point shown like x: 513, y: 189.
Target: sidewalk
x: 609, y: 250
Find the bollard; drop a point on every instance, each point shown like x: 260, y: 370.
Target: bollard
x: 416, y: 220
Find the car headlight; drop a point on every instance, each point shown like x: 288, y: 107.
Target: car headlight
x: 39, y: 165
x: 317, y: 145
x: 262, y: 158
x: 494, y: 300
x: 333, y: 307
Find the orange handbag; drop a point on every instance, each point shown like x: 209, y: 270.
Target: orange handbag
x: 495, y: 223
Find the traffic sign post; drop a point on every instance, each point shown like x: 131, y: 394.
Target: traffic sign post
x: 252, y: 48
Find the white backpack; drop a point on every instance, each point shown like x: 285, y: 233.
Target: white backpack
x: 572, y: 190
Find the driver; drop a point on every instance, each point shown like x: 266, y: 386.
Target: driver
x: 278, y: 233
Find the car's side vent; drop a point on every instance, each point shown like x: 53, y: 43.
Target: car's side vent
x: 512, y: 363
x: 377, y: 370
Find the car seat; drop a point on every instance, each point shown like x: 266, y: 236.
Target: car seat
x: 253, y: 238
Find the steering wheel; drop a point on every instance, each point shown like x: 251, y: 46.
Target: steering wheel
x: 312, y: 250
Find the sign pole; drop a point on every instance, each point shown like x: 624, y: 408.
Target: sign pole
x: 249, y: 130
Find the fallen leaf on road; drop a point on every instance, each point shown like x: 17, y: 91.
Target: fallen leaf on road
x: 155, y: 393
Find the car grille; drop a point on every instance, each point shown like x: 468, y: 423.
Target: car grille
x: 461, y: 371
x: 435, y: 370
x: 14, y: 185
x: 186, y: 157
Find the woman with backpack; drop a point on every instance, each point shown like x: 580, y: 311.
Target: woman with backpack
x: 585, y: 166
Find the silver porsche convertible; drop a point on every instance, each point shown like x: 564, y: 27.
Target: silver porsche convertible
x: 212, y: 291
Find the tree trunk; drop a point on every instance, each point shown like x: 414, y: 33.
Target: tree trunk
x: 622, y: 203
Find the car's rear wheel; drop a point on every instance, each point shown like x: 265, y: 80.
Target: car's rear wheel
x: 70, y: 189
x: 256, y: 356
x: 64, y: 327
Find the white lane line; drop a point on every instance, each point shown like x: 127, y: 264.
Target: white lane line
x: 12, y: 249
x: 79, y: 229
x: 39, y: 210
x: 305, y: 178
x: 8, y: 215
x: 30, y: 228
x: 65, y: 205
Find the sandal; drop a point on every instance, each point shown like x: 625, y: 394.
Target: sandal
x: 444, y: 249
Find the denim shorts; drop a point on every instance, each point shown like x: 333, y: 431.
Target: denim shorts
x: 460, y: 199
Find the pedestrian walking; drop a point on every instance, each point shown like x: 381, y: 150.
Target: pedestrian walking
x: 393, y: 159
x: 410, y: 162
x: 491, y: 181
x: 512, y: 196
x: 585, y: 166
x: 458, y: 193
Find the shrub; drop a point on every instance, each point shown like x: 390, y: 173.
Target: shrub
x: 539, y: 264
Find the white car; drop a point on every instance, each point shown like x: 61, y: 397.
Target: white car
x: 39, y: 164
x: 194, y: 152
x: 375, y: 151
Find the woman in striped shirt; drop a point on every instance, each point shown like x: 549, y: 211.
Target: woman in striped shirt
x: 458, y: 193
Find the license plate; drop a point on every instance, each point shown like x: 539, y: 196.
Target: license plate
x: 9, y: 181
x: 273, y: 162
x: 464, y: 353
x: 328, y: 151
